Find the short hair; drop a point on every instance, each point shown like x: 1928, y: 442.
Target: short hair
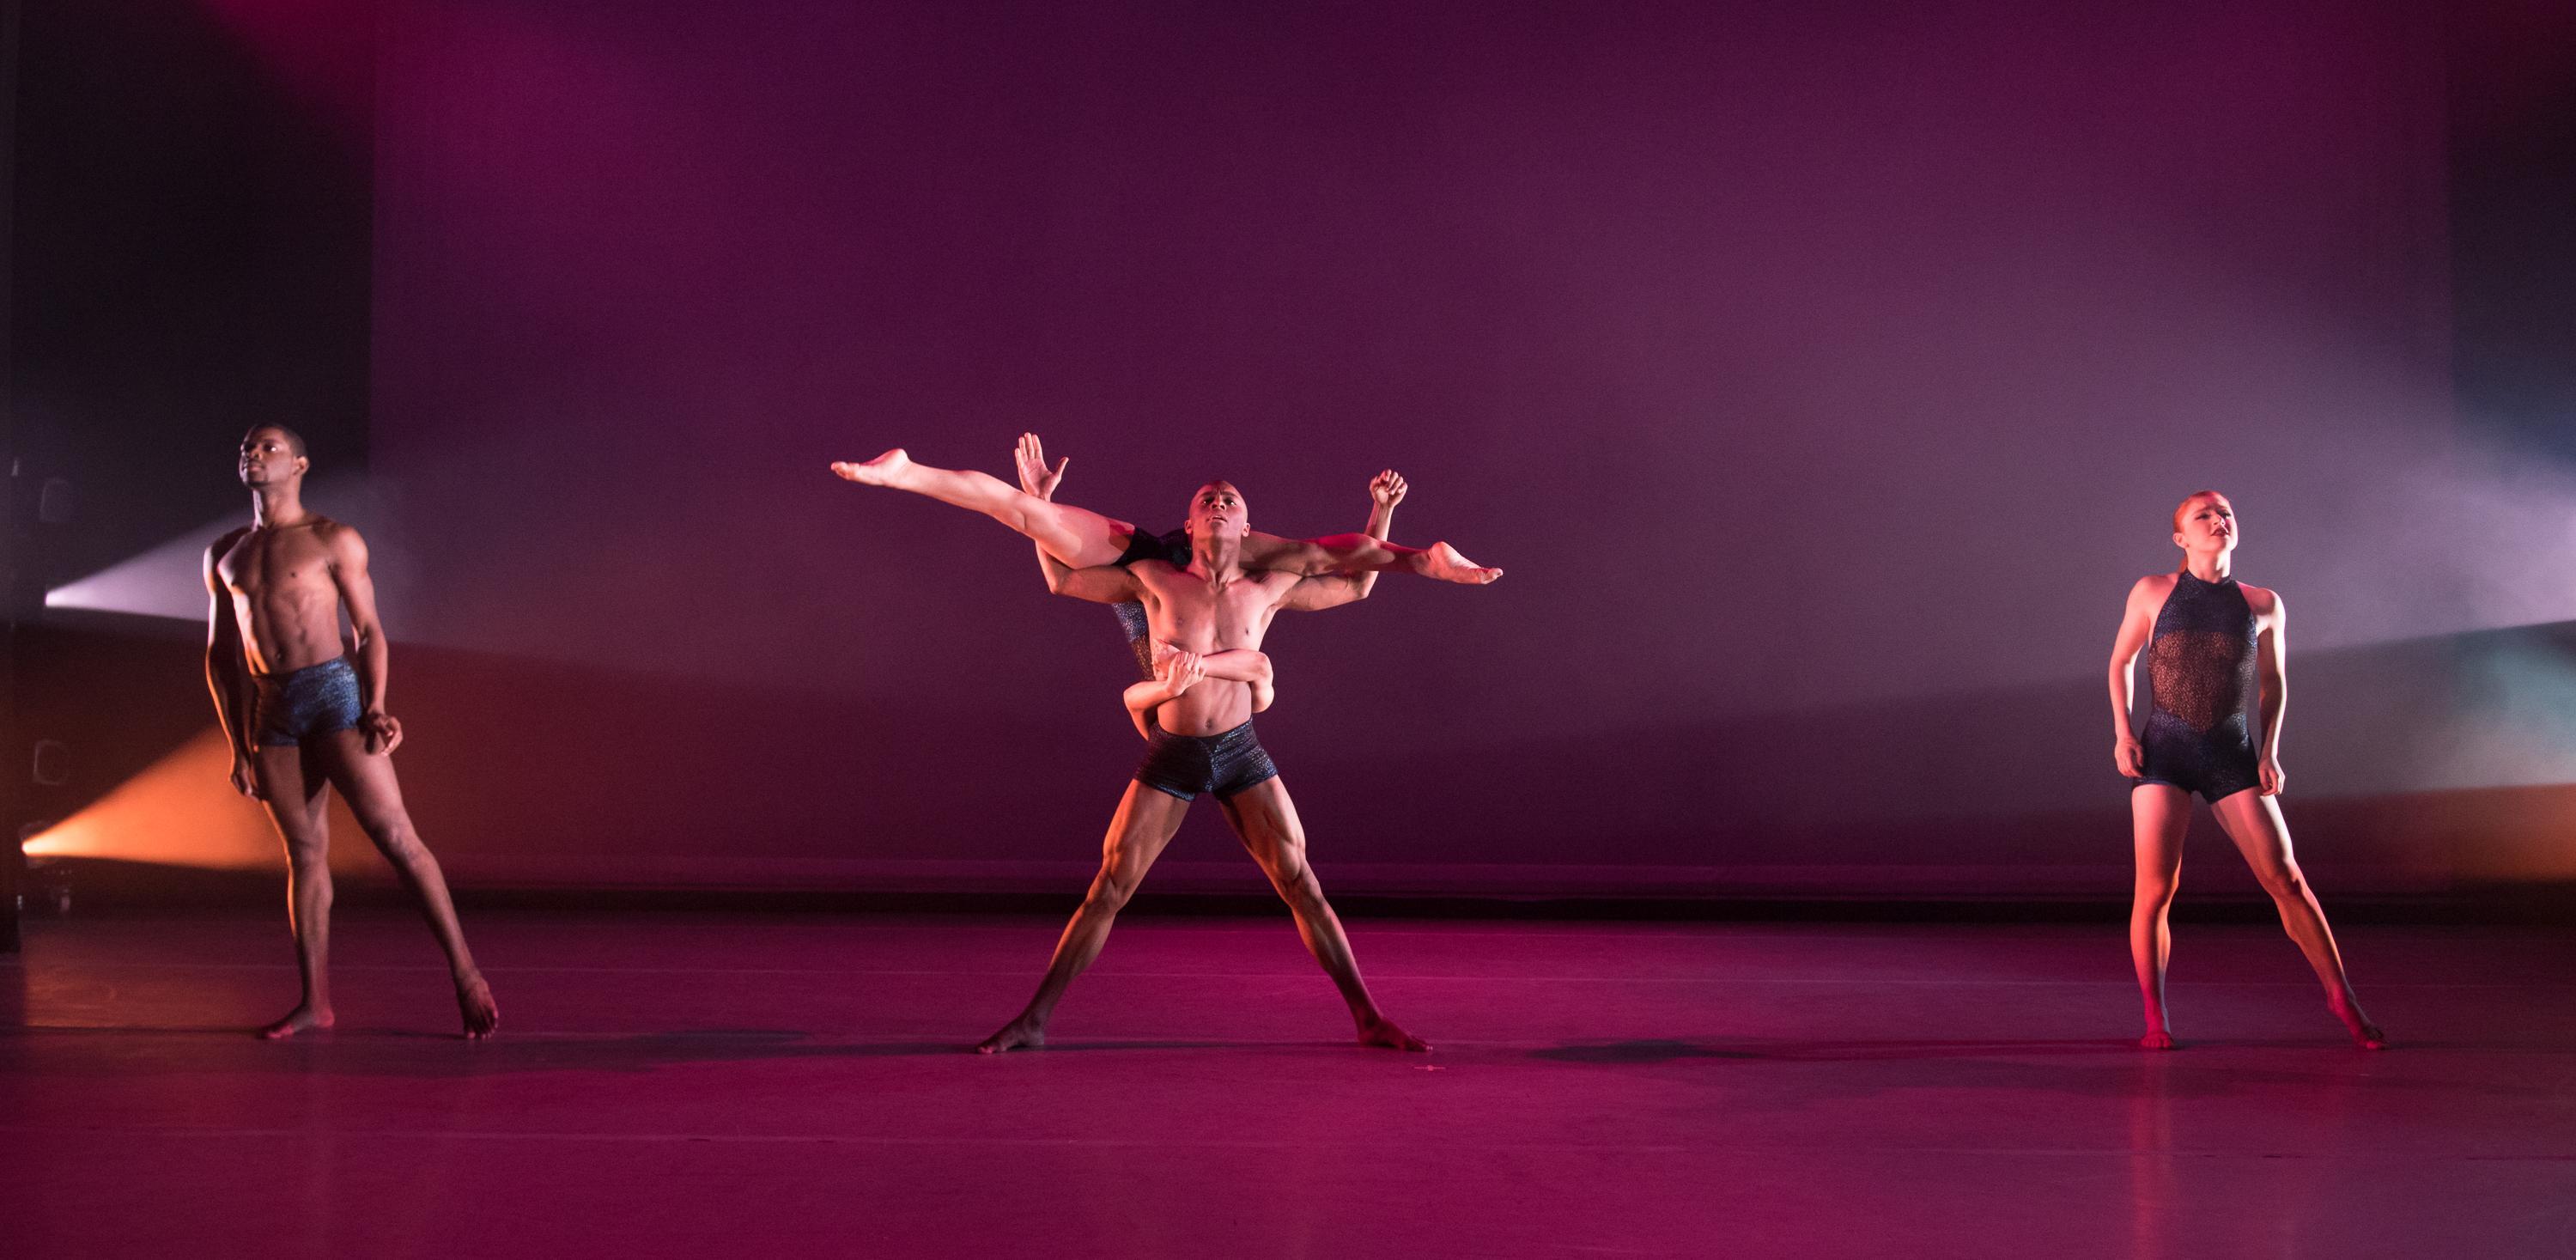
x: 2187, y: 501
x: 294, y: 440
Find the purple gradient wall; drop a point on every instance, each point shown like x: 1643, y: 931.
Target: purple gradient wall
x: 1821, y: 373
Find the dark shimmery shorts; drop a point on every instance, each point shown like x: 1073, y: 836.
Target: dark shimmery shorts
x: 314, y: 700
x: 1186, y: 765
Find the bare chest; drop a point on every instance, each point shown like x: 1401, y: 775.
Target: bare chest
x: 1198, y: 615
x: 272, y: 564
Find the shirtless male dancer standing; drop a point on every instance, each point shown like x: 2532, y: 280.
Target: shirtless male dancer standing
x: 299, y: 718
x: 1207, y: 603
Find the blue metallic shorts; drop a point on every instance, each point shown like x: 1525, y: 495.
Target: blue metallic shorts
x: 314, y: 700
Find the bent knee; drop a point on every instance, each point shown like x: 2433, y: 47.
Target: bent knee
x: 1297, y: 883
x: 2284, y: 883
x: 395, y: 838
x: 1109, y: 895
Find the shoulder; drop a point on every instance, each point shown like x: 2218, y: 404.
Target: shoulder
x: 1152, y: 573
x: 221, y: 547
x: 2152, y: 588
x: 2262, y: 599
x: 342, y: 540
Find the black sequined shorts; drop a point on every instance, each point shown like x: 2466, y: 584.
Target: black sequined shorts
x: 1186, y: 765
x: 314, y: 700
x: 2217, y: 763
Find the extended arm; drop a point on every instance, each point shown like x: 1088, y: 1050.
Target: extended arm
x: 375, y: 658
x: 2136, y: 623
x: 1334, y: 589
x: 2272, y: 672
x: 1101, y: 584
x: 226, y: 674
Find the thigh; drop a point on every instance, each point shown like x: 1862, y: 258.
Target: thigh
x: 366, y: 780
x: 1080, y: 537
x: 2254, y: 822
x: 1265, y: 818
x: 2159, y: 817
x: 1145, y: 822
x: 290, y: 786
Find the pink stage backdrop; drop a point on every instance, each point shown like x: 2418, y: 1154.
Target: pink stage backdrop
x: 1822, y: 374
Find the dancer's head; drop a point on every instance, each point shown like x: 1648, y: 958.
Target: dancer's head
x: 1218, y: 511
x: 2205, y: 523
x: 272, y: 455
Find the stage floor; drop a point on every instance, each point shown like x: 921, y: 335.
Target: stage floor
x: 770, y: 1086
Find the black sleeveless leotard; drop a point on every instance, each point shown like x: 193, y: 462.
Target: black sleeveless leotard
x: 2201, y: 690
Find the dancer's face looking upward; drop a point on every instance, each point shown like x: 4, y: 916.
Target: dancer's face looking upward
x: 271, y: 455
x: 1218, y: 511
x: 2206, y: 522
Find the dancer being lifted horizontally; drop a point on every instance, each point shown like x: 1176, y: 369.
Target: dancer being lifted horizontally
x: 299, y: 718
x: 2213, y: 648
x: 1085, y: 539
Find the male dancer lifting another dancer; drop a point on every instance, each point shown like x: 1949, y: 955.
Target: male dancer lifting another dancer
x: 1154, y: 660
x: 1201, y: 739
x: 299, y: 718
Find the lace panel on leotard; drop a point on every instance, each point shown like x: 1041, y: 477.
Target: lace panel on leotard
x: 2200, y: 664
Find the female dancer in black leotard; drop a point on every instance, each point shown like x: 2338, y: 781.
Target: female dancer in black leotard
x: 2213, y: 650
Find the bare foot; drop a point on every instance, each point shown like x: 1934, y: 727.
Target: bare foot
x: 1017, y: 1035
x: 1442, y: 561
x: 1382, y: 1031
x: 482, y: 1014
x: 2365, y: 1034
x: 301, y: 1019
x: 2157, y: 1039
x: 885, y: 470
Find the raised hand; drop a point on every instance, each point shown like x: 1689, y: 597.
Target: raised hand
x: 1387, y: 488
x: 1035, y: 476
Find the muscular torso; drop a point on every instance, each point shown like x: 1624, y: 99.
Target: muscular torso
x: 1189, y: 611
x: 285, y: 597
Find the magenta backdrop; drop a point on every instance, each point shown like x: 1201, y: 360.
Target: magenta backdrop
x: 1821, y: 373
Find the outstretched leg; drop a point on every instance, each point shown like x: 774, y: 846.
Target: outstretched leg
x: 296, y: 804
x: 1266, y: 819
x: 2159, y: 814
x: 2254, y: 822
x: 1080, y: 538
x: 1144, y: 823
x: 1362, y: 553
x: 367, y: 781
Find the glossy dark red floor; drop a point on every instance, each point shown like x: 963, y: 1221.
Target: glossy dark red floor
x: 775, y: 1086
